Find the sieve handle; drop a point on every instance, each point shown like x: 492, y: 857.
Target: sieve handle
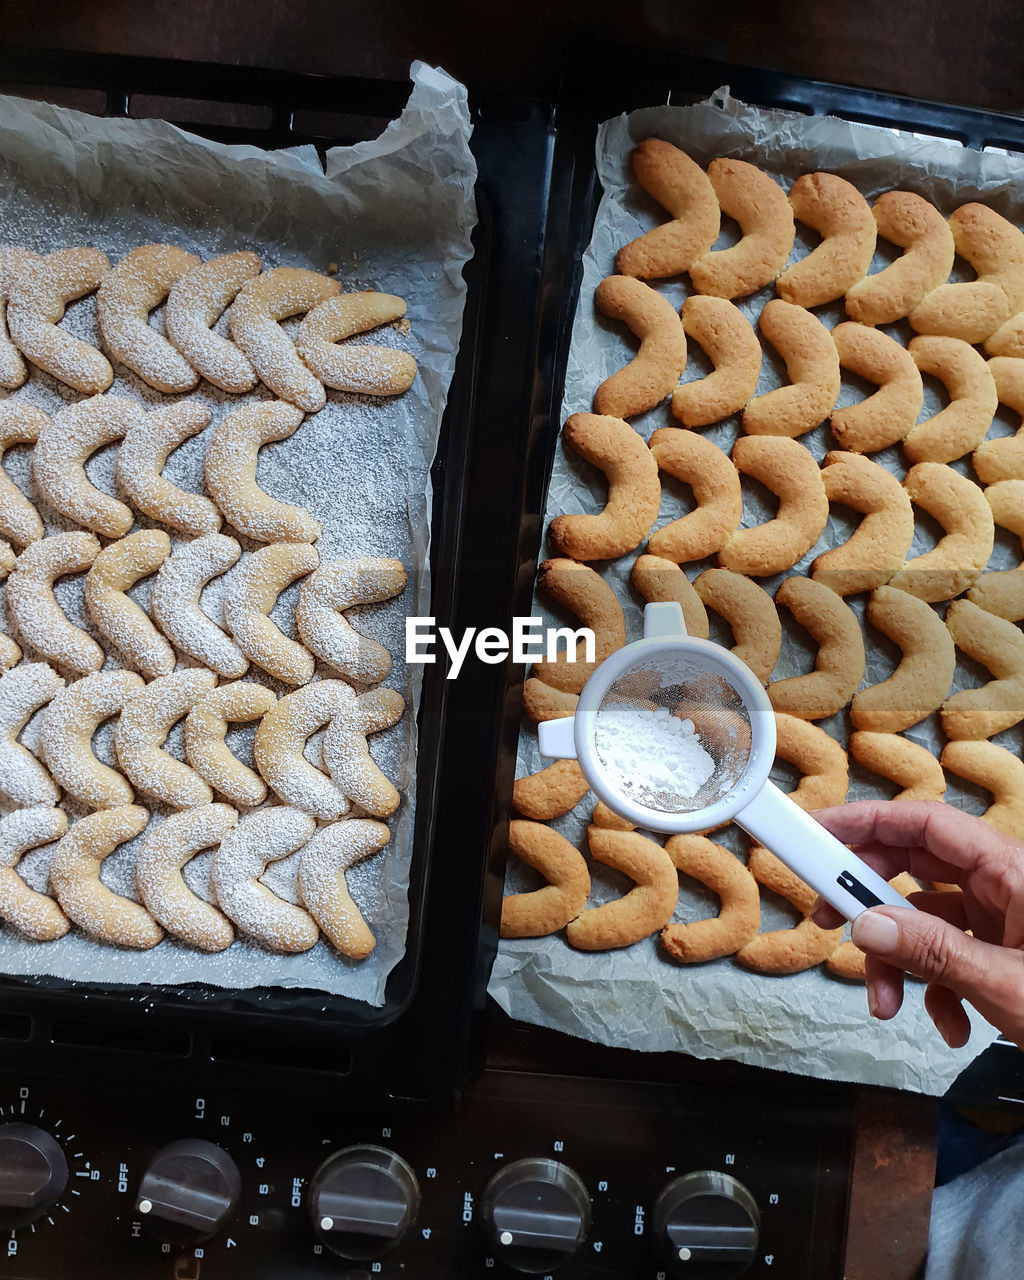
x: 557, y: 738
x: 814, y: 854
x: 664, y: 620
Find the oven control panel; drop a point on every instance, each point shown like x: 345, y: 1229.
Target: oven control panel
x: 529, y: 1175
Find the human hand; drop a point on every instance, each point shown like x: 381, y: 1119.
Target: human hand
x: 938, y: 843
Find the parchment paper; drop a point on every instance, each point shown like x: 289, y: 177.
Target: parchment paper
x: 808, y: 1023
x: 394, y: 214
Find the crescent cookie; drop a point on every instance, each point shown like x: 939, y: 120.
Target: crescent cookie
x: 725, y: 875
x: 368, y: 370
x: 230, y: 473
x: 812, y: 366
x: 682, y: 188
x: 196, y: 301
x: 281, y: 739
x: 839, y: 213
x: 634, y: 493
x: 785, y: 951
x: 322, y: 866
x: 927, y: 664
x: 174, y: 602
x: 1001, y: 593
x: 65, y: 443
x: 911, y: 222
x: 13, y: 370
x: 545, y: 910
x: 349, y: 764
x: 789, y: 471
x: 1003, y: 459
x: 645, y: 909
x: 23, y: 690
x: 140, y: 282
x: 255, y: 314
x: 165, y: 851
x: 848, y: 961
x: 824, y: 768
x: 34, y: 914
x: 250, y: 596
x: 663, y: 580
x: 118, y: 618
x: 960, y: 557
x: 708, y: 471
x: 962, y: 425
x: 38, y: 294
x: 604, y: 817
x: 975, y: 309
x: 551, y: 792
x: 999, y: 646
x: 1008, y: 339
x: 839, y: 663
x: 757, y: 202
x: 750, y: 612
x: 245, y: 853
x: 878, y: 547
x: 66, y: 731
x: 911, y: 766
x: 541, y: 702
x: 207, y: 752
x: 579, y: 589
x: 20, y: 423
x: 731, y: 345
x: 320, y: 621
x: 75, y: 877
x: 142, y: 730
x: 148, y: 442
x: 997, y: 770
x: 655, y: 370
x: 886, y: 416
x: 35, y: 613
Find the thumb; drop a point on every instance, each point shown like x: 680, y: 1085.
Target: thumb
x: 990, y: 977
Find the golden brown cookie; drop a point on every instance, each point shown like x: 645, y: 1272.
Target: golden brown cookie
x: 174, y: 602
x: 368, y: 370
x: 839, y: 662
x: 205, y: 749
x: 142, y: 730
x: 322, y: 866
x: 759, y: 205
x: 33, y: 609
x: 1008, y: 339
x: 66, y: 732
x: 118, y: 618
x: 786, y: 951
x: 997, y: 770
x: 23, y: 690
x: 812, y: 366
x: 13, y: 370
x: 928, y: 661
x: 885, y: 417
x: 789, y: 471
x: 682, y: 188
x: 196, y: 301
x: 662, y: 580
x: 579, y: 589
x: 140, y: 460
x: 839, y: 213
x: 960, y: 557
x: 731, y: 345
x: 139, y: 283
x: 962, y: 425
x: 561, y: 899
x: 878, y: 547
x: 654, y: 371
x: 750, y: 612
x: 551, y: 792
x: 1002, y: 592
x: 20, y: 423
x: 65, y: 444
x: 634, y: 493
x: 725, y: 875
x: 645, y: 909
x: 824, y: 769
x: 772, y: 872
x: 909, y: 765
x: 249, y: 598
x: 1003, y: 458
x: 695, y: 461
x: 321, y: 623
x: 911, y: 222
x: 542, y: 702
x: 999, y: 646
x: 34, y: 914
x: 38, y: 293
x: 604, y: 817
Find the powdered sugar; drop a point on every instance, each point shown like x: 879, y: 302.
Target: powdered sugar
x: 649, y: 755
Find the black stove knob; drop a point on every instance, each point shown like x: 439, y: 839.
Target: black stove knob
x: 362, y: 1201
x: 707, y: 1225
x: 33, y: 1174
x: 189, y: 1191
x: 536, y: 1213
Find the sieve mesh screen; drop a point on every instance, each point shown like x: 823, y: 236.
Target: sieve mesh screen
x: 672, y: 734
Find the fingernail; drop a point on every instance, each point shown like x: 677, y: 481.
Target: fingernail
x: 872, y: 1004
x: 875, y: 933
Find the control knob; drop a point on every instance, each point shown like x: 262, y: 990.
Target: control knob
x: 536, y: 1213
x: 189, y: 1191
x: 707, y: 1225
x: 33, y: 1174
x: 363, y: 1200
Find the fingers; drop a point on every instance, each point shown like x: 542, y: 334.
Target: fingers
x: 947, y: 833
x: 885, y: 988
x: 947, y: 906
x: 949, y: 1015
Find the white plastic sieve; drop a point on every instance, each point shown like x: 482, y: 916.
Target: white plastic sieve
x: 669, y: 676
